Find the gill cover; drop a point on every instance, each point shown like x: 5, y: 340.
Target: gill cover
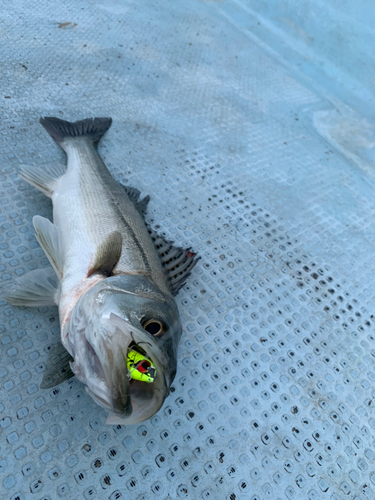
x: 105, y: 326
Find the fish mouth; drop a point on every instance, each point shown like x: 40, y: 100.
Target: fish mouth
x: 128, y: 401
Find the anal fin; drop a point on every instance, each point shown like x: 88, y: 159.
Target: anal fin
x: 44, y: 179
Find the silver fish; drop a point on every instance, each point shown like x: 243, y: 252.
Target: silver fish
x: 112, y: 277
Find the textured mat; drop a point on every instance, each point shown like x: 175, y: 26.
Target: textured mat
x: 251, y: 164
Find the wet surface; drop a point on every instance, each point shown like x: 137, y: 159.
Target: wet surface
x: 245, y: 161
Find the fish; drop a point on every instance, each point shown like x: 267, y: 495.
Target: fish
x: 113, y: 278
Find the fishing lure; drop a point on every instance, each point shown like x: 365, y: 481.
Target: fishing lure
x: 140, y: 367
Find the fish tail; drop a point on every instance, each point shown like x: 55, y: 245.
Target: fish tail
x: 61, y: 130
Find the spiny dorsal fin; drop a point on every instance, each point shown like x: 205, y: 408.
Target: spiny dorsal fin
x: 34, y: 289
x: 108, y: 254
x: 57, y: 367
x: 44, y: 179
x: 134, y: 194
x: 141, y: 206
x: 49, y: 238
x: 177, y: 262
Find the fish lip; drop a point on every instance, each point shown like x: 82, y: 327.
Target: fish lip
x: 118, y: 377
x: 127, y: 401
x: 105, y: 404
x: 159, y: 388
x: 109, y: 388
x: 110, y: 334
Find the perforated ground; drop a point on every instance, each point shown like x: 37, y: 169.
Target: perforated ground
x: 274, y: 393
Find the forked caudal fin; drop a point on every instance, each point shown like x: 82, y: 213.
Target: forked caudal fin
x: 45, y: 179
x: 60, y: 130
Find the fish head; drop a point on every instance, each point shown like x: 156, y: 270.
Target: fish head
x: 119, y: 314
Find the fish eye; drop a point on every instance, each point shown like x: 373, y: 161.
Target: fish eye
x: 153, y: 326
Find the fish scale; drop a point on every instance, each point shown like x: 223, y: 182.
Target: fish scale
x: 205, y: 98
x: 101, y: 214
x: 113, y: 293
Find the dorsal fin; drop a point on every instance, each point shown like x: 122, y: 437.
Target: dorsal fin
x: 134, y: 194
x: 177, y: 262
x: 141, y: 205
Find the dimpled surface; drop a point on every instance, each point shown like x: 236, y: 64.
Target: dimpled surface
x: 274, y: 394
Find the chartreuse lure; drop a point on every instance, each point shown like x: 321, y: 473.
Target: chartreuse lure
x: 140, y: 367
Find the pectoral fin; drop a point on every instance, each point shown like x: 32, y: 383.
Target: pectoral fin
x: 49, y: 238
x: 107, y: 256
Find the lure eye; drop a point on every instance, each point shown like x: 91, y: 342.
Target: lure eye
x: 144, y: 366
x: 153, y: 326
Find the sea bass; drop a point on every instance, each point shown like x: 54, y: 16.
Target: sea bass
x: 113, y: 278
